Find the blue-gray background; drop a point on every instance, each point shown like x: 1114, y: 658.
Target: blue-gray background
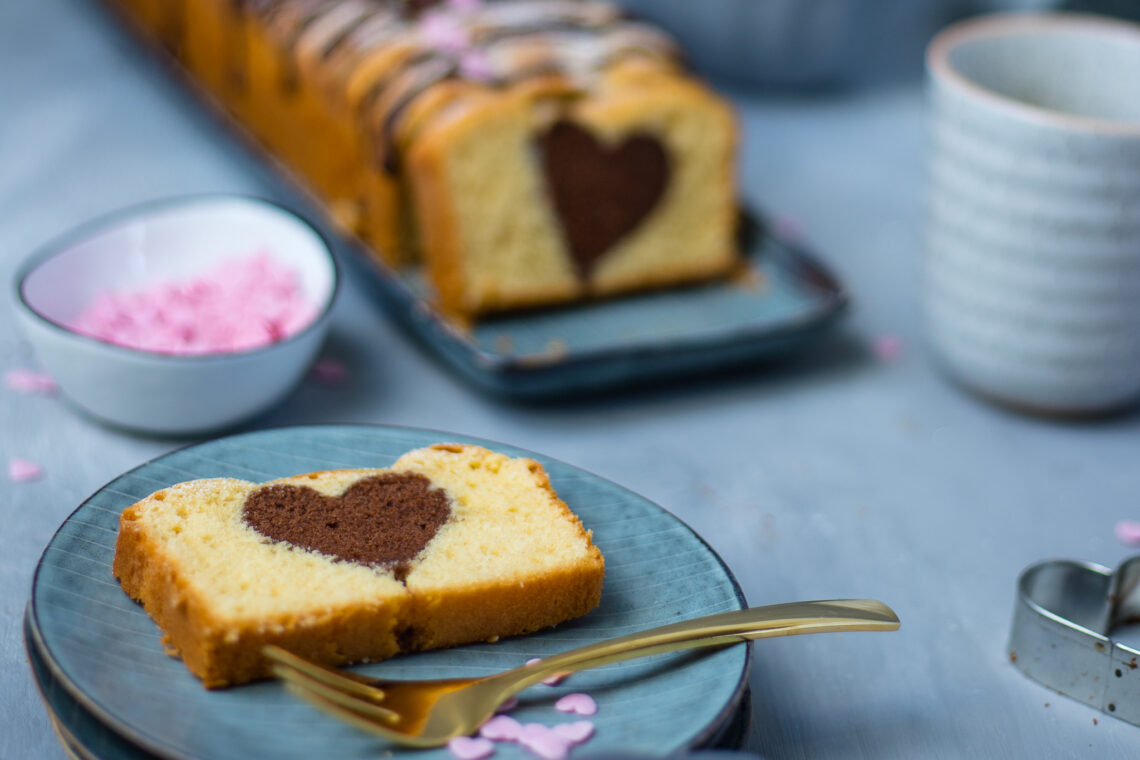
x: 833, y: 474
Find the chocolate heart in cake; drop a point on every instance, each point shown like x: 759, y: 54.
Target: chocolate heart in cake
x: 383, y: 520
x: 601, y: 193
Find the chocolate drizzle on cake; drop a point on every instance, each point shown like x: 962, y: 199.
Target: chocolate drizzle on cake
x: 487, y: 44
x: 382, y: 521
x: 601, y: 193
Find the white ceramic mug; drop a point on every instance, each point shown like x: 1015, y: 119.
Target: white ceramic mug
x: 1032, y: 292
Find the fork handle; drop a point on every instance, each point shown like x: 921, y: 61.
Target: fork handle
x: 720, y: 629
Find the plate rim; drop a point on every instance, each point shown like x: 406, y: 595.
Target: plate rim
x: 64, y: 731
x: 139, y: 739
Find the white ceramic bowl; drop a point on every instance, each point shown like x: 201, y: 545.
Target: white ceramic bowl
x: 162, y: 242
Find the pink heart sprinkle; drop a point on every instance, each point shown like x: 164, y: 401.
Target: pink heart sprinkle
x: 501, y: 728
x: 1128, y: 532
x: 509, y: 704
x: 30, y: 381
x: 576, y: 732
x: 888, y: 347
x: 553, y: 680
x: 543, y: 742
x: 578, y: 703
x: 329, y: 372
x: 788, y: 229
x: 22, y: 471
x: 470, y: 748
x: 476, y: 66
x: 444, y: 33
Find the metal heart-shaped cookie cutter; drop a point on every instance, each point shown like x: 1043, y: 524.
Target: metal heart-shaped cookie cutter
x: 1063, y: 621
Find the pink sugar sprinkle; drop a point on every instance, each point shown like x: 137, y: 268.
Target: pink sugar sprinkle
x: 239, y: 305
x: 30, y: 381
x: 329, y: 372
x: 1128, y: 532
x: 475, y: 65
x: 578, y: 703
x: 22, y: 470
x: 509, y: 704
x: 543, y: 742
x: 577, y: 732
x: 552, y: 680
x: 888, y: 347
x: 787, y: 228
x: 501, y: 728
x: 470, y: 748
x: 443, y: 32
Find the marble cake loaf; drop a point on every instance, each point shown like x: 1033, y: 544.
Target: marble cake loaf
x: 453, y: 544
x: 528, y: 152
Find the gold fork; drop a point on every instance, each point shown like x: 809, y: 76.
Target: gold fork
x: 429, y: 713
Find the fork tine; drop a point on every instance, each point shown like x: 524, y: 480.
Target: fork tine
x: 334, y: 679
x: 302, y: 684
x: 348, y: 715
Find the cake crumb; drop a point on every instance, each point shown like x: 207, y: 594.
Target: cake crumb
x: 749, y: 278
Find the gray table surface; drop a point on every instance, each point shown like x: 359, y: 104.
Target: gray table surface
x: 833, y: 474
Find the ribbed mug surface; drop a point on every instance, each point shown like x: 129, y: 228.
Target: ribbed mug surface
x: 1032, y: 292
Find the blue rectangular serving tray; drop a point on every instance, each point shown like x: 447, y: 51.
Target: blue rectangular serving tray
x: 782, y: 297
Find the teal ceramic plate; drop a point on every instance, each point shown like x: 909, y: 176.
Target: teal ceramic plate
x: 85, y: 738
x: 82, y: 737
x: 105, y: 651
x: 783, y: 298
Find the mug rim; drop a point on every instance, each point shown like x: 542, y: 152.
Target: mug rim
x: 999, y: 25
